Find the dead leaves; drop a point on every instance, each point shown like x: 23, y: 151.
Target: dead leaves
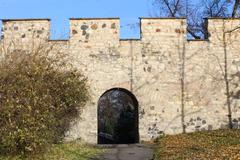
x: 221, y: 144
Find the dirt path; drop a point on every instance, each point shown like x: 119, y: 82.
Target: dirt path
x: 126, y: 152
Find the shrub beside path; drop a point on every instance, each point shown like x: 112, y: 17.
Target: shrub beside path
x: 126, y: 152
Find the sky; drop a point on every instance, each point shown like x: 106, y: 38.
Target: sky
x: 59, y: 11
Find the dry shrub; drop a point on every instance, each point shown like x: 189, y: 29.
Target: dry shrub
x: 40, y: 94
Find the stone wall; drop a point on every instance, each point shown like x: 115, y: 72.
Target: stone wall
x: 163, y: 69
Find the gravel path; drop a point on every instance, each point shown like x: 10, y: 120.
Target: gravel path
x: 126, y: 152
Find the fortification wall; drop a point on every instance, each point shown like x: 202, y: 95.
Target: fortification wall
x: 159, y: 69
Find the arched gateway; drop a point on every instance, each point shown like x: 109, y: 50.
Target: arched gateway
x: 118, y: 117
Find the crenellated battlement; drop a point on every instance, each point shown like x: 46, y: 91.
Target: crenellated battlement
x: 107, y: 30
x: 22, y: 28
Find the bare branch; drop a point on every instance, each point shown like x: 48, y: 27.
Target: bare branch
x: 235, y: 8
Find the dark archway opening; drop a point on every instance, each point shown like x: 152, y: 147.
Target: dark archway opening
x: 118, y: 117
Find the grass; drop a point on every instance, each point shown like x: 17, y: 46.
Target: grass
x: 220, y: 144
x: 66, y: 151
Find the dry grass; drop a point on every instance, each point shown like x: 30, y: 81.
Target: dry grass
x: 66, y: 151
x: 221, y: 144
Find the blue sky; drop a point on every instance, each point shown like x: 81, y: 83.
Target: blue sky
x: 60, y: 10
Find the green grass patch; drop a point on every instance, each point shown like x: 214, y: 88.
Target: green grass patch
x: 220, y: 144
x: 66, y: 151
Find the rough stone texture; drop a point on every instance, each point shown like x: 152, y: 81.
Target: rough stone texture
x: 22, y: 34
x: 150, y: 68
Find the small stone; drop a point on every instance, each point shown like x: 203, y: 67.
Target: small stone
x: 84, y: 27
x: 29, y: 30
x: 210, y: 127
x: 177, y: 30
x: 94, y: 26
x: 149, y: 69
x: 93, y: 56
x: 152, y: 108
x: 15, y: 28
x: 23, y: 36
x: 39, y: 31
x: 84, y: 32
x: 199, y: 119
x: 87, y: 36
x: 74, y: 31
x: 158, y: 30
x: 235, y: 121
x: 104, y: 25
x: 204, y: 122
x: 113, y: 26
x: 191, y: 120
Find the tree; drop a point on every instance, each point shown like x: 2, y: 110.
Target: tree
x: 236, y: 8
x: 40, y: 95
x: 196, y: 12
x: 170, y: 8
